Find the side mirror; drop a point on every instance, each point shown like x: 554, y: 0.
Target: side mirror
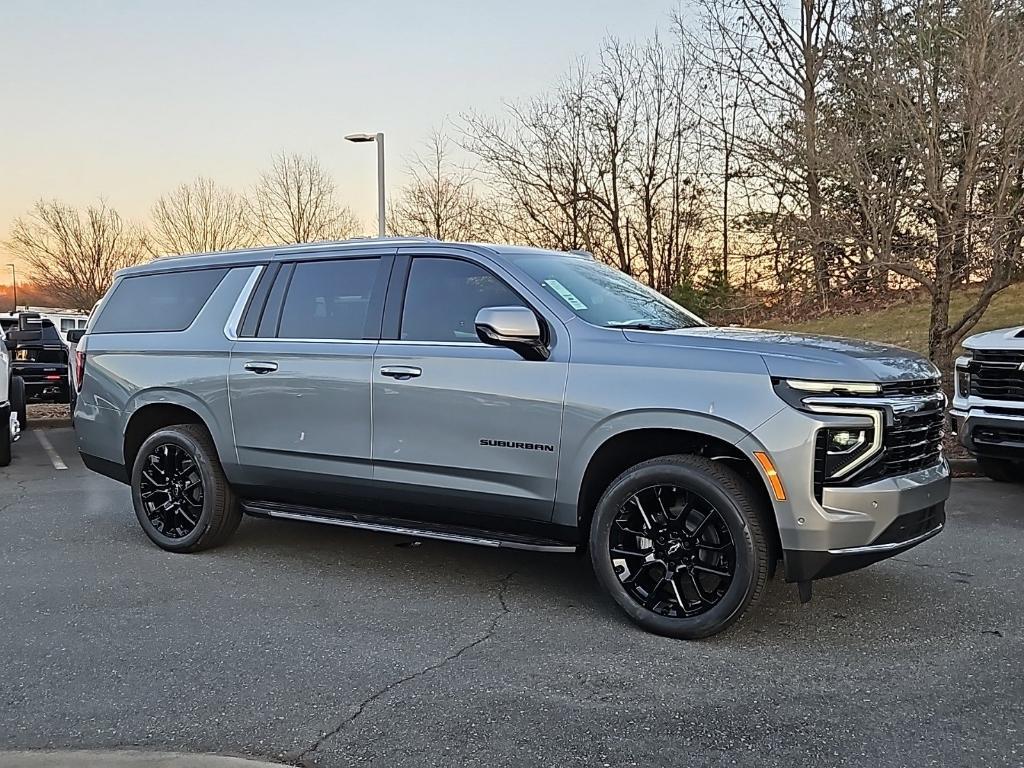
x: 514, y: 327
x: 75, y: 335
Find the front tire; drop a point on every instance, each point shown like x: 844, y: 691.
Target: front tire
x: 1002, y: 470
x: 181, y: 497
x: 680, y: 543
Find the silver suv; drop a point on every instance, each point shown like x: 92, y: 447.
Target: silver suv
x: 988, y: 405
x: 508, y: 397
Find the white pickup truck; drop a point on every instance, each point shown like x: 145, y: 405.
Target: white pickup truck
x: 12, y: 403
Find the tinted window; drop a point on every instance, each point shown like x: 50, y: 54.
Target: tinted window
x: 328, y: 299
x: 444, y: 296
x: 66, y: 324
x: 167, y: 302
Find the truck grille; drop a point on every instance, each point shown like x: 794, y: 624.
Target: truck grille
x: 998, y: 375
x: 911, y: 388
x: 912, y: 443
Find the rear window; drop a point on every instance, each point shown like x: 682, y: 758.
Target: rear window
x: 166, y: 302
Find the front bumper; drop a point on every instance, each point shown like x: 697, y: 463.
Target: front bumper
x: 906, y: 532
x: 984, y: 432
x: 849, y: 527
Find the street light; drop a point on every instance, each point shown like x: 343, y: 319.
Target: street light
x: 359, y: 138
x: 14, y: 285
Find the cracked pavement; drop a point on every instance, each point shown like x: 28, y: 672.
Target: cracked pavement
x: 319, y: 646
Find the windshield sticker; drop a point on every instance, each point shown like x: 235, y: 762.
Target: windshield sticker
x: 565, y: 293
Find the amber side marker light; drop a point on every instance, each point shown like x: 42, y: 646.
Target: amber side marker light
x: 773, y: 476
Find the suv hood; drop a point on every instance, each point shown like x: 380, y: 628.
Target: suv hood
x: 1005, y: 338
x: 803, y: 356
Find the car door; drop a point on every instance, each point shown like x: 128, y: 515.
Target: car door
x: 461, y: 427
x: 299, y: 380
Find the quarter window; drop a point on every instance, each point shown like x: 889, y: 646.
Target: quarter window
x: 328, y: 299
x: 164, y: 302
x: 444, y: 296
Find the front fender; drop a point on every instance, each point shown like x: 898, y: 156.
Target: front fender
x: 574, y: 466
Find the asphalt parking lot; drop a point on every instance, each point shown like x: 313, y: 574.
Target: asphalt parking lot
x: 321, y: 646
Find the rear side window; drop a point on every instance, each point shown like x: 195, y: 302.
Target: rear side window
x: 328, y: 299
x: 166, y: 302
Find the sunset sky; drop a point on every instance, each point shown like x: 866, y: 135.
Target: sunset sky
x: 126, y: 100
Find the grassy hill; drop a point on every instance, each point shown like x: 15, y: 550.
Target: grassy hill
x: 906, y: 325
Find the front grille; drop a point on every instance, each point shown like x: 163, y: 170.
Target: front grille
x: 998, y: 375
x: 913, y: 524
x: 910, y: 388
x: 912, y: 442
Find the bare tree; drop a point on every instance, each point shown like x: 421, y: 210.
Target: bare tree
x: 198, y: 217
x: 294, y: 202
x: 784, y: 73
x: 722, y: 47
x: 607, y: 163
x: 73, y: 255
x: 534, y: 163
x: 439, y: 200
x: 945, y: 80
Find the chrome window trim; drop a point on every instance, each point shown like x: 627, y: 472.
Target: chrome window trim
x: 235, y: 317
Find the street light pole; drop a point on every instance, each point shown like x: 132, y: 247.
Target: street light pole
x: 359, y: 138
x: 14, y: 286
x: 380, y: 185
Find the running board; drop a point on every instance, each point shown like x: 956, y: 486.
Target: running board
x: 412, y: 528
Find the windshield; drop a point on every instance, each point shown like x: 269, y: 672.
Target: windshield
x: 604, y: 296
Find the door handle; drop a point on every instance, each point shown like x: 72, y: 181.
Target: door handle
x: 260, y: 366
x: 401, y: 372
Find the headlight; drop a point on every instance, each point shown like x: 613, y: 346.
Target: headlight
x: 844, y: 449
x: 963, y: 374
x: 841, y: 450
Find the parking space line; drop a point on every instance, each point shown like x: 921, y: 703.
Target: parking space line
x: 50, y: 451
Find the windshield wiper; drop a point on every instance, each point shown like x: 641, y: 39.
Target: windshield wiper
x: 639, y: 325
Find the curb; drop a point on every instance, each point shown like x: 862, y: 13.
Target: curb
x: 964, y: 468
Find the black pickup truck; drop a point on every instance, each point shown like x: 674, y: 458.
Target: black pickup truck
x: 41, y: 363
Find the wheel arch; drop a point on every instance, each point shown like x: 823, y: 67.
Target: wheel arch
x: 611, y: 451
x: 156, y: 409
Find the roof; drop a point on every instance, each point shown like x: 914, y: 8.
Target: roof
x: 263, y: 254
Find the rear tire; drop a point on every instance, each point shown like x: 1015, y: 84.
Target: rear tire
x: 1002, y: 470
x: 182, y: 499
x: 690, y: 541
x: 18, y: 401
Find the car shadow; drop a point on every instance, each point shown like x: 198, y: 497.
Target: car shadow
x: 853, y: 610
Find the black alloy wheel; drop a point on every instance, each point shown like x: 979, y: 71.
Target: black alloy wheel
x: 681, y: 544
x: 672, y: 551
x: 182, y: 499
x: 171, y: 489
